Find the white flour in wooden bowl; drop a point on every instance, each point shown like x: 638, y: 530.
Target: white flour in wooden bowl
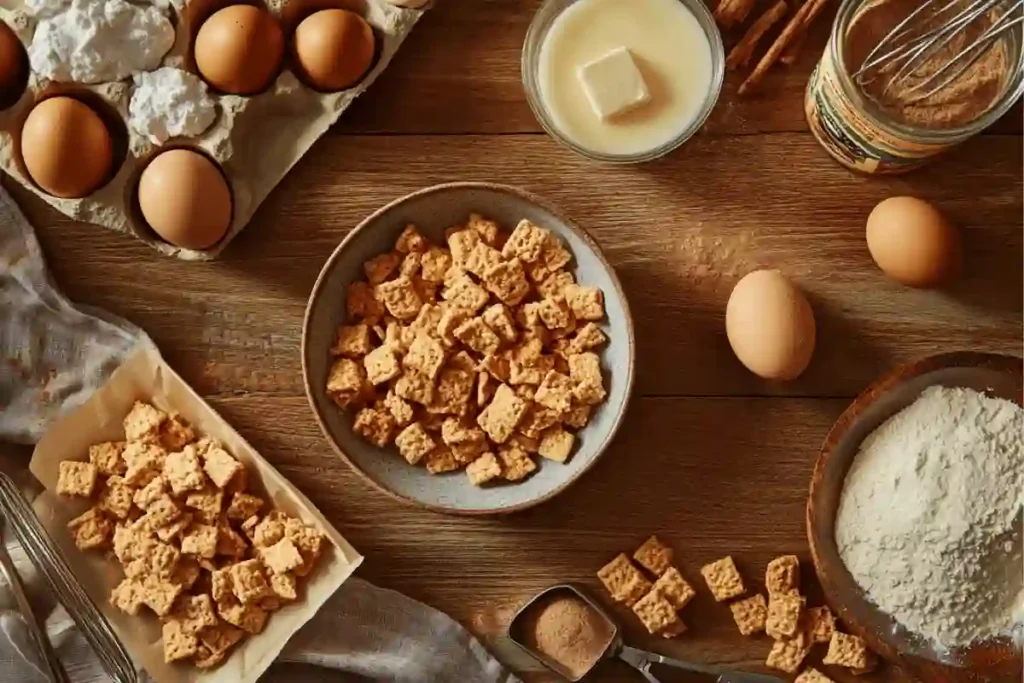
x: 929, y: 523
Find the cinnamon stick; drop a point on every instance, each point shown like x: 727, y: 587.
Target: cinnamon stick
x: 792, y: 52
x: 744, y: 50
x: 796, y: 27
x: 732, y: 12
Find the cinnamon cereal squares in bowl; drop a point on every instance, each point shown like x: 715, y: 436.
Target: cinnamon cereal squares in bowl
x: 467, y: 349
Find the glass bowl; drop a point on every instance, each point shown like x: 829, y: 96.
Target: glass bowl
x: 535, y: 35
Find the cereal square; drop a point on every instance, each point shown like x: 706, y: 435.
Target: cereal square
x: 452, y: 393
x: 115, y: 498
x: 484, y: 469
x: 162, y: 512
x: 442, y: 460
x: 847, y: 651
x: 656, y: 613
x: 142, y: 421
x: 220, y: 637
x: 411, y: 240
x: 507, y: 281
x: 376, y: 426
x: 414, y: 443
x: 555, y: 283
x: 283, y: 586
x: 784, y: 611
x: 200, y: 540
x: 537, y: 419
x: 76, y: 478
x: 400, y: 298
x: 360, y: 301
x: 145, y: 461
x: 465, y: 295
x: 788, y: 654
x: 475, y: 334
x: 556, y: 444
x: 516, y: 463
x: 587, y: 303
x: 416, y: 388
x: 484, y: 388
x: 410, y: 267
x: 352, y: 341
x: 399, y: 409
x: 555, y: 392
x: 170, y: 531
x: 502, y: 414
x: 466, y: 453
x: 623, y: 580
x: 150, y: 493
x: 499, y: 319
x: 674, y: 588
x: 220, y: 585
x: 106, y: 457
x: 229, y: 541
x: 179, y: 642
x: 522, y: 373
x: 345, y: 382
x: 220, y: 466
x: 585, y: 372
x: 425, y: 323
x: 183, y: 471
x: 380, y: 267
x: 426, y: 357
x: 812, y: 675
x: 281, y: 557
x: 820, y: 624
x: 176, y: 433
x: 381, y: 365
x: 526, y: 443
x: 308, y: 539
x: 652, y: 555
x: 782, y: 575
x: 207, y: 505
x: 555, y: 314
x: 750, y: 614
x: 243, y: 506
x: 554, y: 255
x: 248, y: 581
x: 588, y: 337
x: 434, y: 264
x: 249, y: 618
x: 577, y: 417
x: 480, y: 258
x: 91, y: 530
x: 159, y: 594
x: 486, y: 228
x: 461, y: 242
x: 723, y: 579
x: 526, y: 242
x: 128, y: 596
x: 195, y: 612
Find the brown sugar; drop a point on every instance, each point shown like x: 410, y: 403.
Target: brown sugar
x: 568, y: 631
x: 966, y: 98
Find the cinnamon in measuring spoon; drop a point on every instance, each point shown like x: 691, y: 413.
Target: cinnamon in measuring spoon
x: 568, y: 631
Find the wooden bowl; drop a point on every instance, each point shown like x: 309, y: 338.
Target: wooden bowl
x: 996, y: 375
x: 433, y: 210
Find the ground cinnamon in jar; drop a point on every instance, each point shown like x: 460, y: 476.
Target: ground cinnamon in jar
x: 568, y: 631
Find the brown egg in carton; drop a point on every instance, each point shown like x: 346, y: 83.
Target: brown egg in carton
x: 255, y: 140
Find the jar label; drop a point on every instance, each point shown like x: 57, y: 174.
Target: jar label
x: 850, y: 136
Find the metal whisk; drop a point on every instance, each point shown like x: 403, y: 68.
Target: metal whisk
x: 925, y: 31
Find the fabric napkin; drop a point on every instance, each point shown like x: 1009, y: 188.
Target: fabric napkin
x: 53, y: 355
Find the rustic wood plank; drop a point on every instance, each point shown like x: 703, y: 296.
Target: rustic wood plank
x: 709, y: 476
x: 680, y: 232
x: 459, y: 72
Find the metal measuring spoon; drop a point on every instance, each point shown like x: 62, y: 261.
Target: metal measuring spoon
x: 641, y: 660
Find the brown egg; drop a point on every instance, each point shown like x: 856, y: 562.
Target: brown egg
x: 770, y: 325
x: 66, y: 147
x: 913, y: 243
x: 238, y: 50
x: 334, y: 49
x: 13, y: 67
x: 185, y: 198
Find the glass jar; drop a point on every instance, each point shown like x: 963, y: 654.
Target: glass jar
x: 861, y: 135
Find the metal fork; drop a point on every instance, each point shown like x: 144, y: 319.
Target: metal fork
x: 45, y: 556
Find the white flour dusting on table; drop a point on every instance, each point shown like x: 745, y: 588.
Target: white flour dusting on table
x: 929, y: 523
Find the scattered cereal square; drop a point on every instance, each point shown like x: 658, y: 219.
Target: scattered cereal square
x: 484, y: 469
x: 360, y: 301
x: 555, y: 392
x: 308, y: 539
x: 220, y: 466
x: 502, y: 414
x: 656, y: 613
x: 106, y: 457
x: 195, y: 612
x: 507, y: 281
x: 159, y: 595
x: 788, y: 654
x: 145, y: 461
x: 179, y: 643
x: 376, y: 426
x: 555, y: 314
x: 411, y: 240
x: 414, y: 443
x: 381, y: 365
x: 812, y: 675
x: 221, y: 637
x: 243, y: 506
x: 466, y: 453
x: 400, y: 298
x: 577, y: 417
x: 281, y: 557
x: 416, y: 388
x: 270, y: 530
x: 452, y: 393
x: 248, y: 581
x: 441, y: 460
x: 345, y: 382
x: 587, y: 303
x: 115, y: 498
x: 821, y: 624
x: 499, y: 319
x: 434, y: 264
x: 782, y: 575
x: 480, y: 258
x: 352, y: 341
x: 426, y: 357
x: 466, y: 295
x: 674, y: 588
x: 526, y: 443
x: 750, y: 614
x: 475, y: 334
x: 653, y: 555
x: 585, y: 372
x: 516, y: 463
x: 537, y: 419
x: 142, y: 421
x: 283, y: 586
x: 183, y: 471
x: 555, y: 283
x: 723, y: 579
x: 623, y: 580
x: 522, y: 373
x: 207, y: 505
x: 847, y: 651
x: 588, y: 337
x: 128, y: 596
x: 200, y: 540
x: 526, y: 242
x: 399, y: 409
x: 784, y: 611
x: 425, y: 323
x: 76, y: 478
x: 379, y: 268
x: 91, y: 530
x: 556, y: 444
x: 249, y: 618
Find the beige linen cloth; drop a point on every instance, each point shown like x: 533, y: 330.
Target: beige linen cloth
x: 53, y: 355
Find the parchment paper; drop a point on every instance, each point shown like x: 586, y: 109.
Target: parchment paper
x: 145, y: 376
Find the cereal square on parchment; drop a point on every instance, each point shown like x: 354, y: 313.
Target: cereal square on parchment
x: 179, y: 642
x: 507, y: 281
x: 381, y: 365
x: 195, y: 612
x: 176, y: 433
x: 128, y: 596
x: 207, y: 504
x: 516, y: 463
x: 229, y: 541
x: 281, y: 557
x: 115, y: 498
x: 142, y: 421
x: 750, y: 614
x: 220, y: 637
x: 160, y: 594
x: 352, y: 341
x: 107, y: 457
x: 484, y: 469
x: 502, y: 414
x: 789, y: 653
x: 782, y: 575
x: 220, y: 466
x: 674, y: 588
x: 414, y: 443
x: 91, y: 529
x: 723, y: 579
x: 654, y: 556
x: 820, y: 623
x: 183, y: 471
x: 243, y: 506
x: 200, y: 540
x: 812, y: 675
x: 624, y: 582
x: 656, y: 613
x: 847, y: 651
x: 556, y: 444
x: 76, y: 478
x: 784, y: 611
x: 283, y: 586
x: 249, y: 618
x: 248, y: 581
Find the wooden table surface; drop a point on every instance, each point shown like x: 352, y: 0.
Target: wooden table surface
x: 712, y: 459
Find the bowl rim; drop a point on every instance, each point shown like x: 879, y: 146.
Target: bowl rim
x: 880, y: 642
x: 318, y: 291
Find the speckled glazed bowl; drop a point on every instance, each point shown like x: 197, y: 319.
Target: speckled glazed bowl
x: 433, y: 210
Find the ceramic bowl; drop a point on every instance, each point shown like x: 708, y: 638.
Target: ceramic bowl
x: 996, y: 375
x: 433, y: 210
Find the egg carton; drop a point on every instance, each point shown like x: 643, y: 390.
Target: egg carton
x: 255, y: 139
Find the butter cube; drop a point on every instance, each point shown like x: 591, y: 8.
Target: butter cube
x: 613, y: 84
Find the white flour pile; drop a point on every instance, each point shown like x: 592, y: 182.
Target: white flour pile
x: 929, y: 523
